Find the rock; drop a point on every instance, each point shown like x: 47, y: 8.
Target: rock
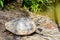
x: 38, y: 37
x: 55, y: 36
x: 2, y: 38
x: 48, y: 37
x: 21, y: 26
x: 33, y: 37
x: 19, y: 1
x: 16, y: 37
x: 46, y: 26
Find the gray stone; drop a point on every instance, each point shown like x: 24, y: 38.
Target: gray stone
x: 39, y: 37
x: 33, y: 37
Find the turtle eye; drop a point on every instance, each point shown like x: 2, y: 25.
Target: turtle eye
x: 40, y: 29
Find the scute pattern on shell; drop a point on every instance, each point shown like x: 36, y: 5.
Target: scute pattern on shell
x: 21, y: 26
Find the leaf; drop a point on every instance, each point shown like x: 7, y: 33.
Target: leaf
x: 1, y: 3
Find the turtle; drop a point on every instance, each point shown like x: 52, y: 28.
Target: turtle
x: 21, y: 26
x: 26, y: 26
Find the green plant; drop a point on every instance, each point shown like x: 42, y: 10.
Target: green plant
x: 1, y: 3
x: 37, y: 5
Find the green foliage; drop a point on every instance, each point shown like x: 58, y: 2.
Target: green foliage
x: 37, y: 5
x: 1, y: 3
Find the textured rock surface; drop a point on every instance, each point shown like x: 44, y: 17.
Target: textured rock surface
x: 21, y: 26
x: 6, y: 35
x: 33, y: 37
x: 39, y: 37
x: 46, y: 26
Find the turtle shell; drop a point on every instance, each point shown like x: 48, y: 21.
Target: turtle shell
x: 21, y: 26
